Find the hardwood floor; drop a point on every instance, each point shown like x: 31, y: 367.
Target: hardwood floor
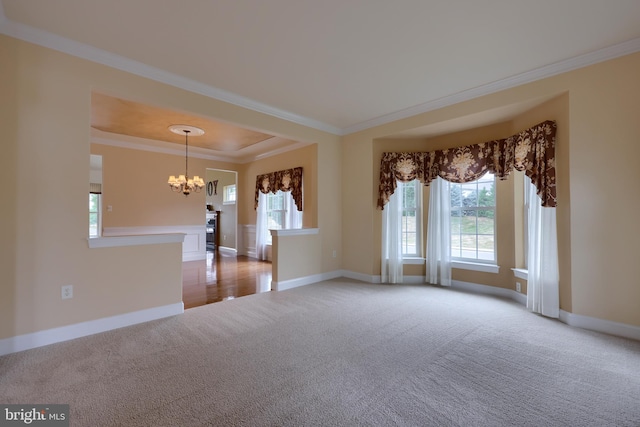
x: 222, y: 277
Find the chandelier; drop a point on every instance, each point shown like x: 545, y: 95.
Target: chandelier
x: 183, y: 183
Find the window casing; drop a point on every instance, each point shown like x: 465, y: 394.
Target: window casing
x: 411, y: 218
x: 473, y: 220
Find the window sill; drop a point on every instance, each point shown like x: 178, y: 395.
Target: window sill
x: 476, y: 266
x: 521, y: 273
x: 413, y: 260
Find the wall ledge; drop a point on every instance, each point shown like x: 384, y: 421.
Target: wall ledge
x: 521, y: 273
x: 294, y: 232
x: 147, y: 239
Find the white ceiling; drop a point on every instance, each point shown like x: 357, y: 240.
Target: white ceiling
x: 336, y: 65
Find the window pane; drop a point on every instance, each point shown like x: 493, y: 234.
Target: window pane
x: 409, y: 233
x: 486, y: 194
x: 468, y: 222
x: 409, y: 196
x: 410, y: 217
x: 275, y: 220
x: 470, y: 194
x: 486, y: 247
x: 455, y: 222
x: 455, y: 245
x: 473, y: 219
x: 456, y: 196
x: 486, y: 222
x: 93, y: 224
x: 468, y: 246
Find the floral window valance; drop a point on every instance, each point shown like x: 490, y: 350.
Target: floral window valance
x: 531, y: 151
x: 284, y: 180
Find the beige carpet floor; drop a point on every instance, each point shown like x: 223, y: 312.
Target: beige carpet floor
x: 338, y: 353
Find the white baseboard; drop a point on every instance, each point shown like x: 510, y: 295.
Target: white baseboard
x: 490, y: 290
x: 302, y: 281
x: 227, y: 251
x: 600, y: 325
x: 571, y: 319
x: 65, y: 333
x: 360, y: 276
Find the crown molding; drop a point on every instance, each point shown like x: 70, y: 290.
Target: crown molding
x: 194, y: 152
x: 601, y: 55
x: 142, y: 144
x: 82, y: 50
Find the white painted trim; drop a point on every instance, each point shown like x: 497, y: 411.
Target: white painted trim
x: 571, y: 319
x: 413, y: 261
x: 414, y: 280
x: 190, y: 252
x: 601, y: 55
x: 246, y: 234
x: 294, y: 232
x: 490, y: 290
x: 302, y: 281
x: 476, y: 266
x: 228, y: 251
x: 154, y: 229
x: 361, y: 276
x: 65, y: 333
x: 155, y: 146
x: 521, y: 273
x: 149, y: 239
x: 600, y: 325
x: 82, y: 50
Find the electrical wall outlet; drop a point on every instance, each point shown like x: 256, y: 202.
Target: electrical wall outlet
x: 67, y: 292
x: 518, y: 287
x: 334, y: 253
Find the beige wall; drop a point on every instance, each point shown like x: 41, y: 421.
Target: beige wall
x: 45, y: 113
x: 135, y: 186
x: 296, y: 256
x: 596, y: 109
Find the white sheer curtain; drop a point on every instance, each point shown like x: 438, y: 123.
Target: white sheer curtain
x: 438, y: 265
x: 542, y: 263
x: 392, y: 238
x: 262, y: 230
x: 293, y: 217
